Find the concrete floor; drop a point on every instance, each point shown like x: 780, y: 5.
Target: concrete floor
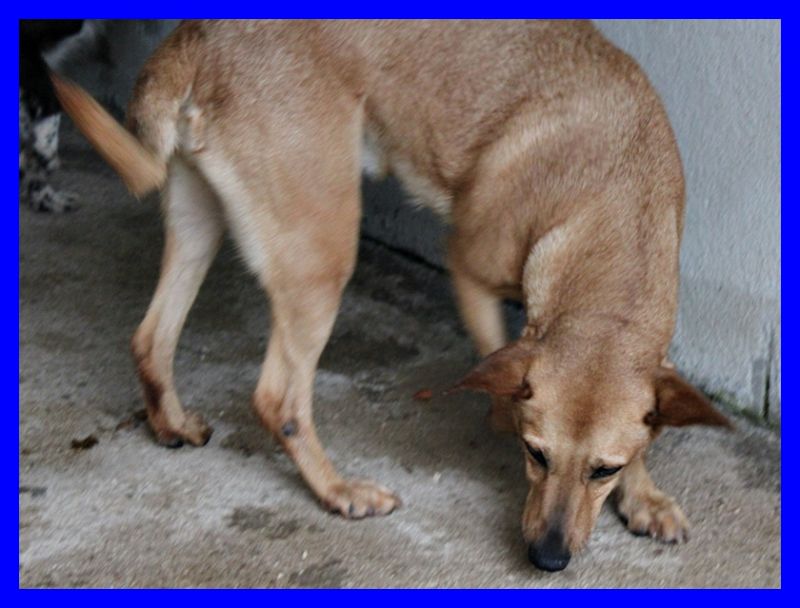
x: 235, y: 513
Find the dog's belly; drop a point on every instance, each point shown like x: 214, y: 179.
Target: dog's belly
x: 376, y: 163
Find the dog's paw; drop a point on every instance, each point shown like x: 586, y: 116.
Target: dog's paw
x: 656, y: 515
x: 357, y: 499
x: 194, y: 431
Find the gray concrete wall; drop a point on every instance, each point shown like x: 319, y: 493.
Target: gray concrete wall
x: 720, y: 81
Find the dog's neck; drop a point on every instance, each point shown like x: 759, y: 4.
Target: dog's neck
x: 609, y: 283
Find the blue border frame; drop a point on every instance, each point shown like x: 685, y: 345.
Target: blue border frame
x: 10, y: 242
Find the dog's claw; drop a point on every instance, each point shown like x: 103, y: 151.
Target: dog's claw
x: 172, y: 443
x: 359, y: 499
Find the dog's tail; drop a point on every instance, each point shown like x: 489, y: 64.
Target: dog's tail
x: 140, y: 169
x: 140, y: 152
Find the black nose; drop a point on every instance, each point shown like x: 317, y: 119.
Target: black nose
x: 549, y: 553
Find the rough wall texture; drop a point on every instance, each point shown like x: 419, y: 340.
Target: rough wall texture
x: 720, y: 82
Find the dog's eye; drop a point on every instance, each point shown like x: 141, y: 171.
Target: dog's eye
x: 537, y: 455
x: 601, y: 472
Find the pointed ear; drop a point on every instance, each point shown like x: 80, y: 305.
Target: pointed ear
x: 678, y: 403
x: 502, y: 373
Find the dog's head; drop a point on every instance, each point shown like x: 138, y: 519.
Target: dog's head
x: 582, y: 411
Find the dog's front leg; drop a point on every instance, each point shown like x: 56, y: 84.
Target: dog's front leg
x: 481, y: 310
x: 482, y: 313
x: 646, y: 510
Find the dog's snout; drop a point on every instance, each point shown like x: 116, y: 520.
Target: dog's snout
x: 550, y: 553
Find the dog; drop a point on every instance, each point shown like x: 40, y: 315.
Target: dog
x: 542, y: 144
x: 39, y: 114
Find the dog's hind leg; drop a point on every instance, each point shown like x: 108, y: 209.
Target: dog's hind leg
x: 194, y: 228
x: 303, y: 312
x: 296, y: 220
x: 305, y: 285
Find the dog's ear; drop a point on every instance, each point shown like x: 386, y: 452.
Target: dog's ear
x: 678, y: 403
x: 502, y: 373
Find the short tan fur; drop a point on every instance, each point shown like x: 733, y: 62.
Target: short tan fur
x: 542, y: 144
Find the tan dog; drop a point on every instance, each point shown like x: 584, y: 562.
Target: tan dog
x: 554, y: 160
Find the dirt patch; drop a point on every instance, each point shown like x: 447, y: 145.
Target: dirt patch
x: 759, y: 460
x: 34, y: 491
x: 266, y: 521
